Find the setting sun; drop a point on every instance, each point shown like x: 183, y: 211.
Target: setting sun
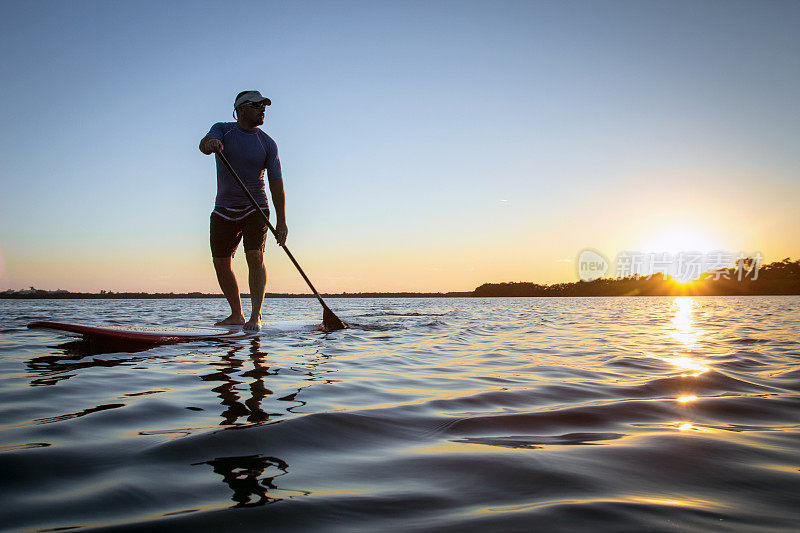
x: 683, y: 240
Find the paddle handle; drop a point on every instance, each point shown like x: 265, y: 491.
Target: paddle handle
x: 269, y: 225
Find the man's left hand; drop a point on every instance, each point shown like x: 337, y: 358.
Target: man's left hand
x: 281, y: 231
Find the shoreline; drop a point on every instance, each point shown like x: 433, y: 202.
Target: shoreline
x: 136, y: 296
x: 777, y: 278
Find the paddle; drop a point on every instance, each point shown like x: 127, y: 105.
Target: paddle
x: 330, y: 322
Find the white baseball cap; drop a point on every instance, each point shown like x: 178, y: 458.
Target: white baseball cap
x: 248, y: 97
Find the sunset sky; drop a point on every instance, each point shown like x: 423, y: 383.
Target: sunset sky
x: 426, y: 146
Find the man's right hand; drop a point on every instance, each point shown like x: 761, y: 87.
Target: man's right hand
x: 214, y: 146
x: 210, y: 145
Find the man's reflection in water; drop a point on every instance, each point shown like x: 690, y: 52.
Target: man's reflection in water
x: 72, y: 357
x: 250, y: 477
x: 250, y: 410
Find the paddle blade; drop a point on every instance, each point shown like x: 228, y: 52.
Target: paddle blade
x: 331, y: 322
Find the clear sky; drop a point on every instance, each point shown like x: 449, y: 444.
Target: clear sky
x: 425, y: 145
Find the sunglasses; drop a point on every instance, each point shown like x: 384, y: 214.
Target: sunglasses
x: 256, y: 105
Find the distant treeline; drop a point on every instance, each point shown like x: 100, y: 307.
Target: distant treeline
x: 102, y: 295
x: 110, y: 295
x: 781, y: 277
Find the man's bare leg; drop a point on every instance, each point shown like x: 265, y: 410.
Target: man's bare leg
x: 230, y: 288
x: 258, y: 282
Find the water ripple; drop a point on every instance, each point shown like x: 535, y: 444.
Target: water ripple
x: 432, y: 414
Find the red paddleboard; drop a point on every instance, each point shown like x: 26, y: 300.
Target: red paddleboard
x: 133, y: 334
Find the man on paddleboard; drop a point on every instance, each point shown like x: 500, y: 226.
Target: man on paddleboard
x: 251, y: 153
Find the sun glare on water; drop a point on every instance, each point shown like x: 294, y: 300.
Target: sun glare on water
x: 684, y: 330
x: 688, y: 364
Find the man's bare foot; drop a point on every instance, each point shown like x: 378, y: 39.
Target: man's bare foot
x: 233, y: 320
x: 254, y: 324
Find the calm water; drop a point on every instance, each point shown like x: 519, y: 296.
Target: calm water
x: 563, y: 414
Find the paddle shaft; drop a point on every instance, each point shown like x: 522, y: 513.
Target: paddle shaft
x: 266, y: 219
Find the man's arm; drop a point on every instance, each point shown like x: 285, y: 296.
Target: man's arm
x: 279, y: 202
x: 210, y: 145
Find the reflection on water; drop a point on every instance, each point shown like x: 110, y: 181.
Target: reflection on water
x: 242, y: 388
x: 252, y: 478
x: 683, y: 330
x: 69, y: 358
x: 687, y: 363
x: 429, y: 414
x: 682, y: 321
x: 688, y: 426
x: 230, y: 393
x: 685, y: 333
